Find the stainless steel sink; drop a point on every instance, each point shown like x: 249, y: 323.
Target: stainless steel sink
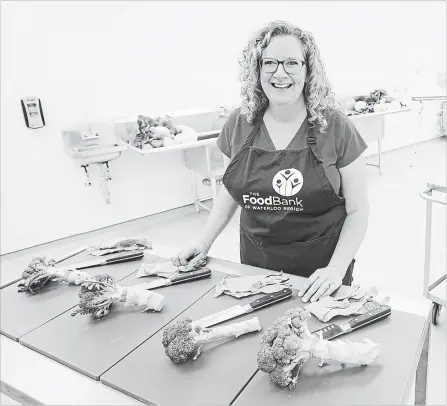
x: 101, y: 148
x: 97, y: 153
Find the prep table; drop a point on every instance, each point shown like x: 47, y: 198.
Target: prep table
x: 222, y: 375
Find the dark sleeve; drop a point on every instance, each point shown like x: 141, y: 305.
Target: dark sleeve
x: 225, y: 139
x: 349, y: 143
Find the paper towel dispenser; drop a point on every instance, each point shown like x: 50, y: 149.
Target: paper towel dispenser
x: 32, y: 112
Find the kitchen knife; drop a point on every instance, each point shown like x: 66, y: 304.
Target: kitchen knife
x: 179, y: 278
x: 238, y: 310
x: 337, y: 329
x: 112, y: 259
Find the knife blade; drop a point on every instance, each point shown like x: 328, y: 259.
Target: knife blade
x: 337, y: 329
x: 112, y: 259
x: 179, y: 278
x: 238, y: 310
x: 70, y: 254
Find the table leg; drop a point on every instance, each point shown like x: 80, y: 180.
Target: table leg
x: 214, y: 186
x: 420, y: 395
x: 379, y: 148
x: 194, y: 187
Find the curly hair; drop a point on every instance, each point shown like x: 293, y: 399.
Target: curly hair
x: 317, y: 91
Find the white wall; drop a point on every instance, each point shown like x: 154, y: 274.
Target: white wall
x: 96, y: 61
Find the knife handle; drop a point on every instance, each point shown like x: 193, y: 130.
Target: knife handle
x: 190, y: 276
x: 369, y: 317
x: 271, y: 298
x: 129, y: 256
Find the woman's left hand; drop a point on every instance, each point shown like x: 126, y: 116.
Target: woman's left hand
x: 323, y: 282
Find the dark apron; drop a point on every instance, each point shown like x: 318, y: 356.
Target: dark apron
x: 291, y: 216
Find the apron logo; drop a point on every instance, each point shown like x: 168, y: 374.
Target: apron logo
x: 288, y: 182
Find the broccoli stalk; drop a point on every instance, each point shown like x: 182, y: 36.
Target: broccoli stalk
x: 41, y: 270
x: 182, y: 342
x: 98, y: 294
x: 288, y: 344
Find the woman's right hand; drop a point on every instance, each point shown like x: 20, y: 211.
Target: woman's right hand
x: 196, y: 251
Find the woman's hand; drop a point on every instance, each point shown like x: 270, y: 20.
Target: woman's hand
x: 323, y: 282
x: 197, y: 251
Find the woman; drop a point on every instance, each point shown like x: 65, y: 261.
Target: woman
x: 296, y: 168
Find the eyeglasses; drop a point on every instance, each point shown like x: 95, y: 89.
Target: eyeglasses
x: 270, y: 65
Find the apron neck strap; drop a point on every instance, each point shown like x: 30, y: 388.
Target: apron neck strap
x: 254, y: 131
x: 247, y: 144
x: 311, y: 140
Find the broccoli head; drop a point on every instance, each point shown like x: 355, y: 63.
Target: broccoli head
x: 288, y: 344
x: 182, y: 342
x: 281, y: 354
x: 178, y: 340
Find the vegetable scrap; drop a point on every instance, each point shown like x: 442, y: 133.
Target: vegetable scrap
x: 288, y: 344
x: 98, y: 294
x: 192, y: 265
x: 163, y: 269
x: 119, y: 245
x: 42, y: 270
x: 167, y: 269
x: 160, y: 132
x: 243, y: 286
x: 182, y: 342
x: 357, y: 301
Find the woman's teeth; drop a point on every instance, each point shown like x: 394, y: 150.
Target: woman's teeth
x: 278, y: 86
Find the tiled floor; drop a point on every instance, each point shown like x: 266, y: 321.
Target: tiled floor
x: 391, y: 257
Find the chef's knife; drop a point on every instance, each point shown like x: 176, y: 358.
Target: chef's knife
x: 179, y: 278
x: 337, y: 329
x: 112, y: 259
x: 238, y: 310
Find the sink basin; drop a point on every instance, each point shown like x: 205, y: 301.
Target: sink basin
x: 98, y: 148
x: 97, y: 153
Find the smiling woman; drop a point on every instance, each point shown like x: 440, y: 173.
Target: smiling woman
x: 296, y: 168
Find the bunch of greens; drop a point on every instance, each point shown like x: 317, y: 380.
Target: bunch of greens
x: 37, y: 274
x: 98, y: 294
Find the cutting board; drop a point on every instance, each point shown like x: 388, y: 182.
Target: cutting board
x: 93, y: 346
x: 22, y: 312
x: 216, y: 377
x: 13, y: 264
x: 384, y: 382
x: 220, y: 374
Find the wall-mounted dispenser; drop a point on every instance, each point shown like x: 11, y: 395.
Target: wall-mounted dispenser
x: 32, y: 112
